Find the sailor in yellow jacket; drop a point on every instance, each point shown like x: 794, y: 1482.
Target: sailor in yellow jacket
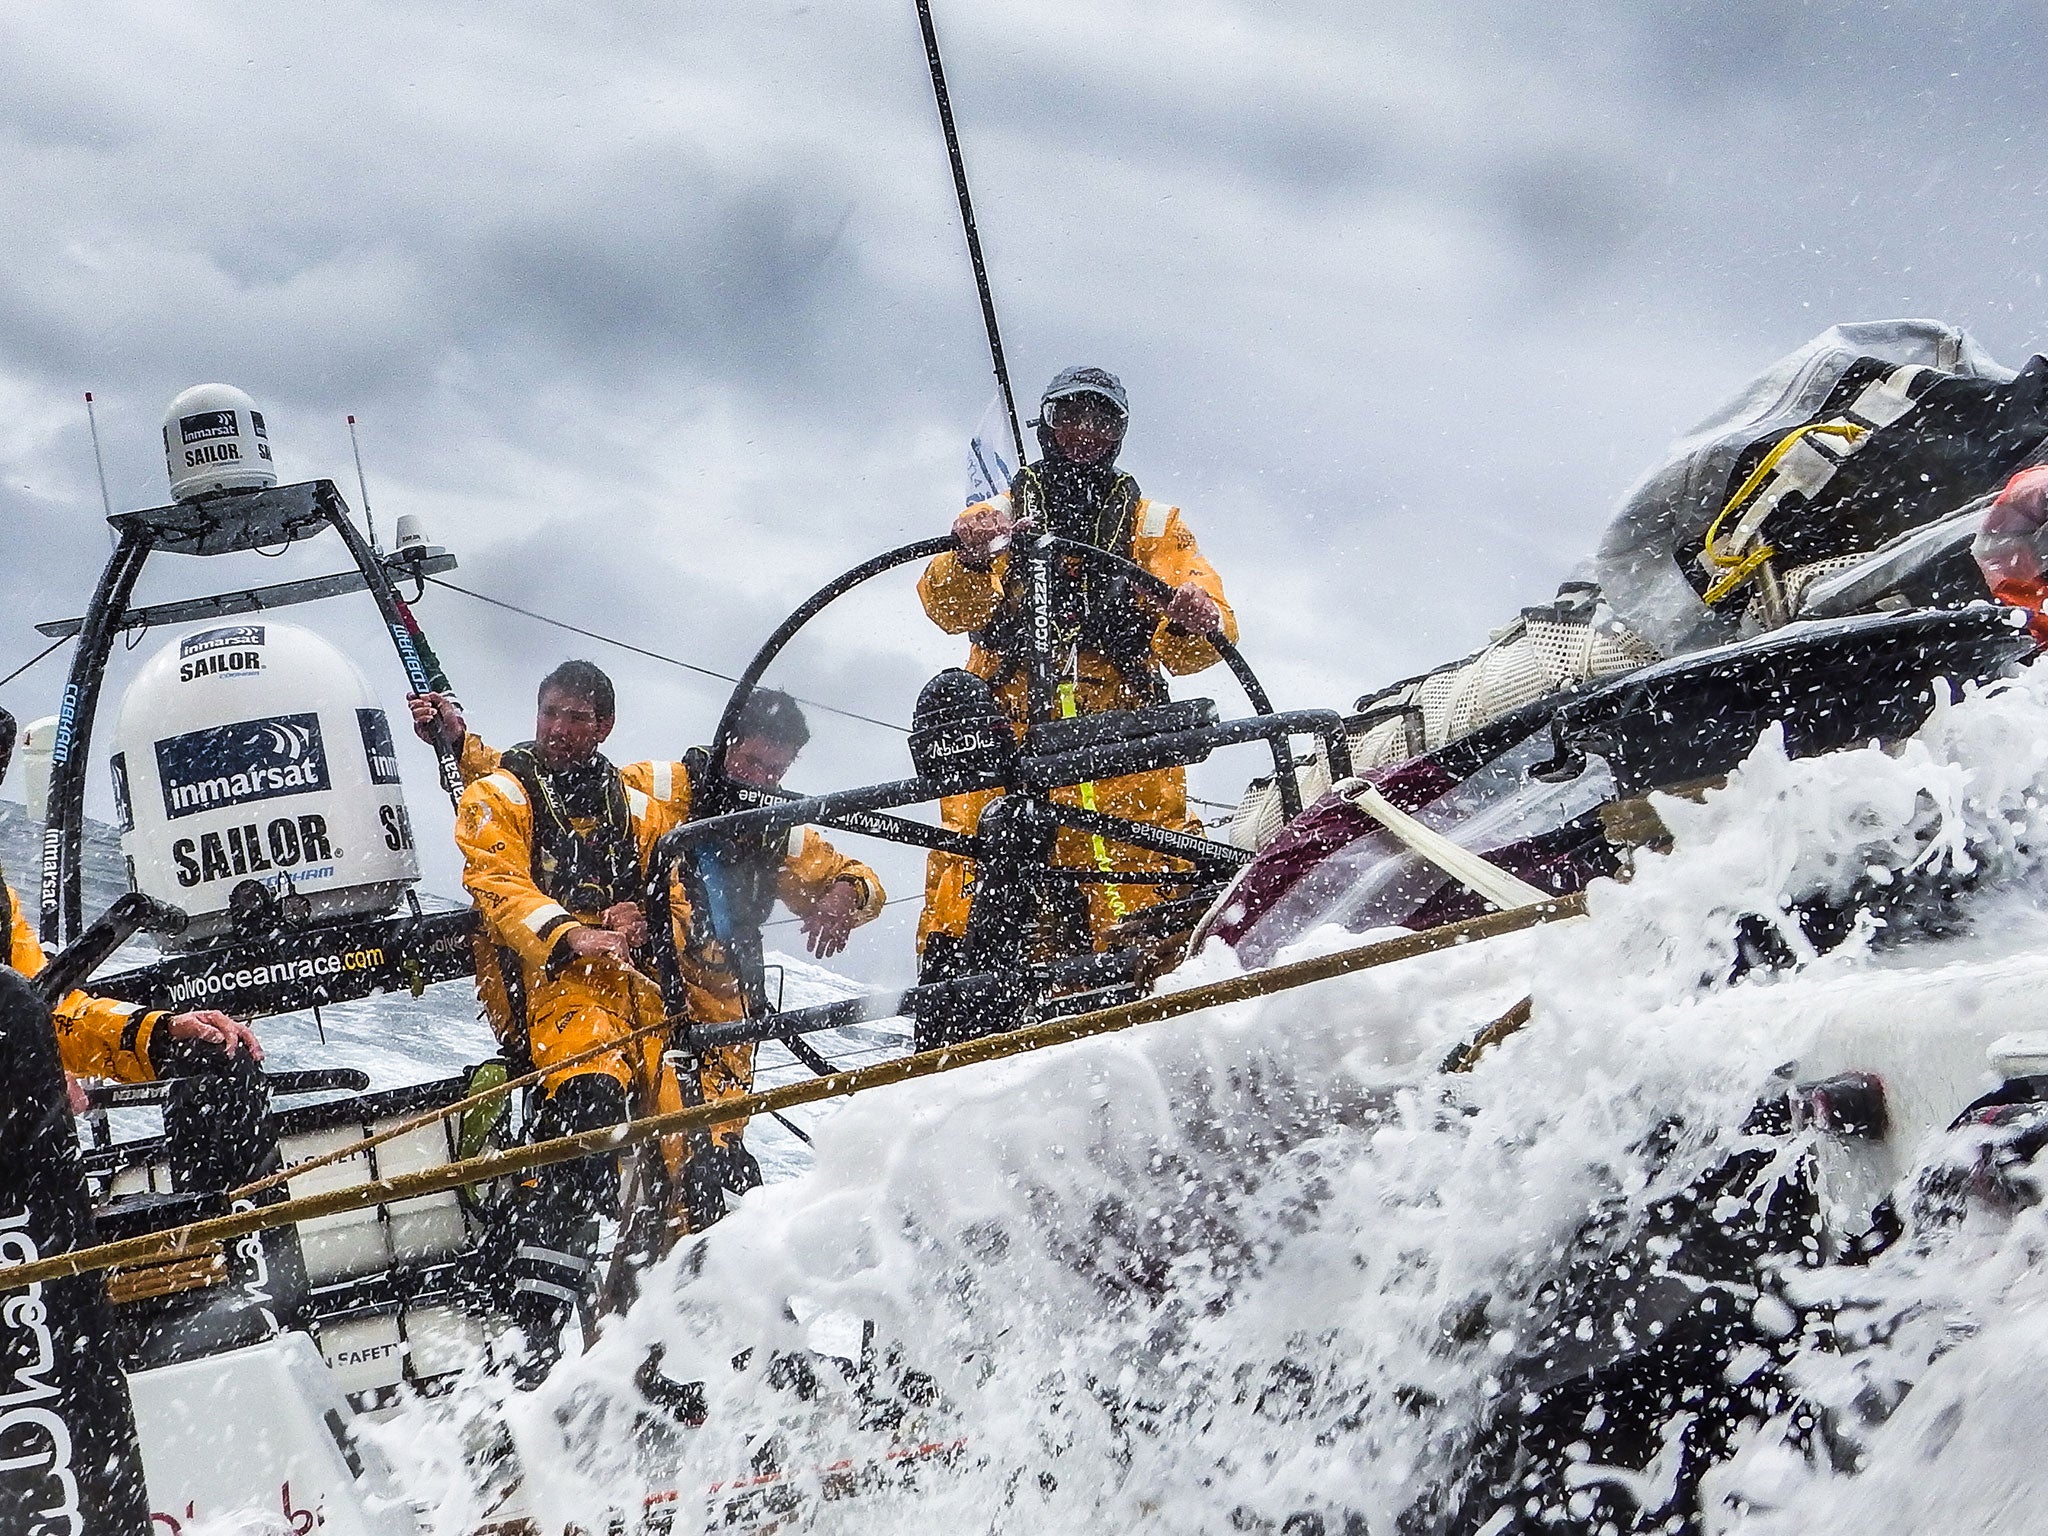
x: 828, y: 892
x: 1114, y: 642
x: 555, y: 843
x: 554, y: 849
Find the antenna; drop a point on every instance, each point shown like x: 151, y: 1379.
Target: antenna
x: 369, y: 522
x: 99, y: 459
x: 988, y: 303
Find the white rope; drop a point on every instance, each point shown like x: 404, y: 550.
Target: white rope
x: 1504, y: 890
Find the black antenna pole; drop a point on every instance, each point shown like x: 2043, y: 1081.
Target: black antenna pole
x: 988, y: 303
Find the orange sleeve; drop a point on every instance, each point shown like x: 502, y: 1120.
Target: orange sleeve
x: 477, y: 759
x: 813, y: 866
x: 96, y: 1036
x: 494, y: 830
x: 958, y: 599
x: 1173, y: 556
x: 667, y: 785
x: 23, y: 952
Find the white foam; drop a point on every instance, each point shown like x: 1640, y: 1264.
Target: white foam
x: 1260, y: 1260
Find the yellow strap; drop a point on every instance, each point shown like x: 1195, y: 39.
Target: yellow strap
x: 1737, y: 574
x: 1736, y: 566
x: 1069, y: 707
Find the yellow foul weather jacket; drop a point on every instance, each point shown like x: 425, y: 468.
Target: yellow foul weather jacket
x: 565, y: 1001
x: 960, y: 600
x: 96, y: 1036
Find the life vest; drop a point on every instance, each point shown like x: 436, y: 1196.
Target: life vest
x: 1094, y: 611
x: 586, y: 871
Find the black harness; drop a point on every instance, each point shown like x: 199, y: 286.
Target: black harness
x: 584, y: 871
x: 1092, y: 611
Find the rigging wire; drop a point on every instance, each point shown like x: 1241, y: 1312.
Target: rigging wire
x: 967, y: 226
x: 637, y: 650
x: 893, y: 901
x: 690, y: 666
x: 39, y: 655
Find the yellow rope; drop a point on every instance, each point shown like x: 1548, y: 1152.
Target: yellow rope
x: 1737, y: 567
x: 1069, y: 707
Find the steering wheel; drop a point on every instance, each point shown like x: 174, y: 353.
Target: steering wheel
x: 1046, y: 546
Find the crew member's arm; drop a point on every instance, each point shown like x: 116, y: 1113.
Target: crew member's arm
x: 961, y: 588
x: 1173, y: 556
x: 95, y: 1037
x: 438, y: 717
x: 830, y: 893
x: 101, y: 1037
x: 494, y: 830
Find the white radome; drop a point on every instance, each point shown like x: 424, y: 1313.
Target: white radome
x: 257, y: 751
x: 215, y: 440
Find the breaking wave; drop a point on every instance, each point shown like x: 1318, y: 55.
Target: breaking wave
x: 1264, y: 1268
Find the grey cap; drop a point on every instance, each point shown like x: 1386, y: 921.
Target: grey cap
x: 1088, y: 381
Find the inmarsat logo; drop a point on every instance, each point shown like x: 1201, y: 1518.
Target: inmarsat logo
x: 206, y: 426
x: 234, y: 764
x: 377, y: 750
x: 238, y: 649
x: 225, y: 638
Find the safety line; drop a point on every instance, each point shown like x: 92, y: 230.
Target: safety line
x: 460, y: 1107
x: 154, y: 1247
x: 639, y: 650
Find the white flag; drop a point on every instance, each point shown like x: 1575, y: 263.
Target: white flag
x: 989, y: 470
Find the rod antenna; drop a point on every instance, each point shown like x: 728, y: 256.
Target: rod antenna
x: 988, y: 303
x: 99, y: 459
x: 369, y: 522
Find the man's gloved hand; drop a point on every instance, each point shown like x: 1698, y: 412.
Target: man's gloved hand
x: 827, y: 925
x: 982, y: 532
x: 209, y: 1026
x: 1193, y: 611
x: 436, y: 717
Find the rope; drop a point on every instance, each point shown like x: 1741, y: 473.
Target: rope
x: 446, y: 1112
x: 1472, y: 870
x: 39, y: 655
x: 1736, y: 567
x: 637, y: 650
x: 1467, y: 1055
x: 156, y: 1246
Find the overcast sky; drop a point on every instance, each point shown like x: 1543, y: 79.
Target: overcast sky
x: 658, y: 314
